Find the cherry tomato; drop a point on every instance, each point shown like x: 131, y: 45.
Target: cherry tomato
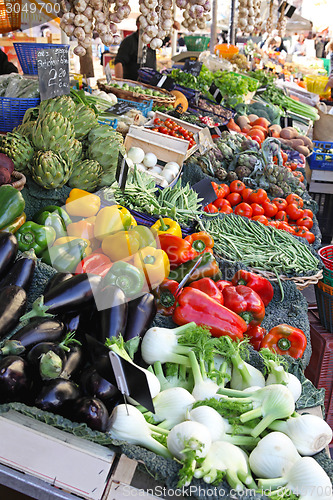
x: 292, y: 165
x: 257, y: 209
x: 234, y: 199
x: 162, y: 129
x: 281, y: 215
x: 237, y: 187
x: 157, y: 121
x: 305, y: 222
x: 246, y: 193
x: 243, y: 209
x: 281, y: 203
x: 300, y: 231
x: 210, y: 209
x: 221, y: 202
x: 258, y: 196
x: 270, y: 208
x: 261, y: 218
x: 294, y: 212
x: 308, y: 213
x: 295, y: 199
x: 226, y: 210
x: 155, y: 129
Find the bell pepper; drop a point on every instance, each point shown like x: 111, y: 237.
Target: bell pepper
x: 165, y: 297
x: 125, y: 276
x: 208, y: 286
x: 12, y: 205
x: 259, y: 284
x: 120, y: 245
x: 82, y: 204
x: 144, y: 236
x: 15, y: 224
x: 85, y: 230
x: 95, y: 263
x: 68, y: 239
x: 208, y: 268
x: 155, y: 264
x: 66, y: 257
x: 200, y: 242
x: 35, y: 236
x: 52, y: 219
x: 256, y: 335
x: 195, y: 305
x: 285, y: 339
x: 177, y: 249
x: 221, y: 284
x: 166, y: 226
x: 54, y: 209
x: 125, y: 211
x: 245, y: 302
x: 111, y: 220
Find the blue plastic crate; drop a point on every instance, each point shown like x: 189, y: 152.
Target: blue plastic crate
x: 320, y: 159
x: 27, y: 54
x: 12, y: 110
x: 112, y: 122
x: 143, y: 106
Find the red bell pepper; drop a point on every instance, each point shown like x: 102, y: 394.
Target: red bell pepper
x: 195, y: 305
x: 285, y: 339
x: 201, y: 242
x: 256, y: 335
x: 95, y: 263
x: 209, y: 287
x: 261, y: 285
x: 246, y: 302
x: 165, y: 297
x: 177, y: 249
x: 221, y: 284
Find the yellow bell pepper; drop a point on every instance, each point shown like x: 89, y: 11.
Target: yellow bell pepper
x: 120, y: 245
x: 68, y: 239
x: 82, y: 204
x: 111, y: 220
x: 125, y: 211
x: 166, y: 226
x: 154, y: 262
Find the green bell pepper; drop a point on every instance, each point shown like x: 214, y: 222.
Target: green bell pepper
x: 11, y: 205
x: 127, y: 277
x: 52, y: 219
x: 35, y: 236
x: 208, y: 268
x: 58, y: 210
x: 66, y: 257
x: 144, y: 236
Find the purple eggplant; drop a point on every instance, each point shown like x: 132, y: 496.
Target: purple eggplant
x: 15, y: 379
x: 35, y: 353
x: 56, y: 280
x: 13, y: 302
x: 73, y: 363
x: 141, y: 313
x: 111, y: 319
x: 8, y: 251
x: 94, y: 385
x: 21, y: 273
x: 92, y: 412
x: 57, y: 395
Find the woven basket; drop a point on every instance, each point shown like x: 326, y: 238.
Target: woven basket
x: 133, y: 96
x: 301, y: 282
x: 18, y: 180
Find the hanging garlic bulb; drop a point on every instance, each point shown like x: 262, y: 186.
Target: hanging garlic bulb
x: 151, y: 31
x: 156, y: 43
x: 101, y: 28
x: 80, y: 6
x: 79, y: 34
x: 80, y: 20
x: 146, y: 38
x: 86, y: 43
x: 80, y: 51
x: 107, y: 39
x: 88, y: 12
x: 88, y: 28
x: 68, y: 29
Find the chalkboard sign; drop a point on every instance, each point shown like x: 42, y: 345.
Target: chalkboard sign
x: 216, y: 93
x: 120, y: 108
x: 205, y: 190
x: 53, y: 72
x: 163, y: 82
x: 193, y: 67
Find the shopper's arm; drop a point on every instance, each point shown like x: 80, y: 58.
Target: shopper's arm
x: 329, y: 83
x: 118, y: 70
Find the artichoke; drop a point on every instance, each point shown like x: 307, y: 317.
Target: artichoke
x: 242, y: 171
x: 86, y: 175
x: 84, y: 120
x: 100, y: 131
x: 74, y: 154
x: 18, y: 148
x: 25, y: 129
x: 221, y: 173
x: 53, y: 132
x: 105, y: 152
x: 50, y: 170
x: 63, y: 105
x: 232, y: 176
x: 30, y: 115
x: 275, y: 191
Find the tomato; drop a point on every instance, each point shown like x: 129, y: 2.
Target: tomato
x: 226, y: 189
x: 281, y: 215
x: 257, y: 209
x: 258, y: 196
x: 261, y: 218
x: 255, y: 132
x: 310, y: 237
x: 155, y: 129
x: 262, y: 122
x: 291, y: 164
x: 219, y: 191
x: 270, y: 209
x: 257, y: 139
x: 237, y: 187
x: 284, y: 157
x: 294, y: 212
x: 262, y: 129
x: 246, y: 193
x: 210, y: 209
x: 295, y: 199
x: 298, y: 175
x: 157, y: 121
x: 300, y: 231
x: 243, y: 209
x: 226, y: 210
x: 273, y: 223
x: 308, y: 213
x: 305, y: 222
x: 221, y: 202
x: 234, y: 199
x: 281, y: 203
x: 286, y: 227
x: 246, y: 129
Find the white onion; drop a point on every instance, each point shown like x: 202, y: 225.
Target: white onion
x: 173, y: 166
x: 79, y: 34
x: 140, y: 167
x: 168, y: 175
x: 156, y: 170
x: 136, y: 154
x: 80, y: 51
x: 156, y: 43
x: 149, y: 160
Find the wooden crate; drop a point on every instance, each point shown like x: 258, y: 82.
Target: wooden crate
x: 321, y: 181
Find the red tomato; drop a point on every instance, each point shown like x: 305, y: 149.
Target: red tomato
x: 310, y: 237
x: 270, y: 209
x: 162, y: 129
x: 257, y: 139
x: 210, y: 209
x: 218, y: 190
x: 246, y: 193
x: 234, y: 199
x: 308, y: 213
x: 258, y: 196
x: 262, y: 129
x: 284, y: 157
x: 262, y: 122
x: 294, y: 212
x: 292, y: 165
x: 243, y: 209
x: 273, y: 223
x: 295, y: 199
x: 305, y: 222
x: 226, y: 189
x: 226, y: 210
x: 257, y: 209
x: 300, y: 231
x: 257, y: 133
x: 286, y: 227
x: 281, y: 203
x: 221, y: 202
x: 261, y: 218
x: 299, y: 175
x: 281, y: 215
x: 237, y: 187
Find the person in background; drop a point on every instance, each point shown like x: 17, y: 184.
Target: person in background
x: 299, y: 47
x: 180, y: 40
x: 329, y: 84
x: 319, y: 46
x: 329, y: 49
x: 6, y: 67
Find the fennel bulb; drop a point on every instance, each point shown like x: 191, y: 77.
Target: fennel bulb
x: 204, y: 387
x: 273, y: 456
x: 309, y: 433
x: 171, y: 406
x: 278, y: 375
x: 133, y: 428
x: 245, y: 375
x: 210, y: 418
x: 175, y: 376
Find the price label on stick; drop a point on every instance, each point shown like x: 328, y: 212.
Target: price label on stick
x: 193, y: 67
x: 53, y: 72
x: 216, y: 93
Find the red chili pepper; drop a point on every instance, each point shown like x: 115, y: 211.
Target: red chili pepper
x: 196, y: 306
x: 221, y: 284
x: 256, y: 335
x: 201, y: 242
x: 208, y: 286
x: 245, y: 302
x: 177, y: 249
x: 165, y: 297
x: 261, y: 285
x: 95, y: 263
x: 285, y: 339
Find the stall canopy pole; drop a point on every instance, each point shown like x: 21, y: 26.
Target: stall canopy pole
x: 231, y: 34
x: 213, y: 27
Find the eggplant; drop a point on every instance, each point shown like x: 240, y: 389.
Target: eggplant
x: 21, y: 273
x: 111, y: 318
x: 13, y: 302
x: 56, y: 280
x: 8, y: 251
x: 141, y: 313
x: 56, y: 396
x: 33, y: 356
x: 38, y: 330
x: 80, y: 322
x: 15, y: 379
x: 92, y: 384
x: 92, y: 412
x: 73, y: 362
